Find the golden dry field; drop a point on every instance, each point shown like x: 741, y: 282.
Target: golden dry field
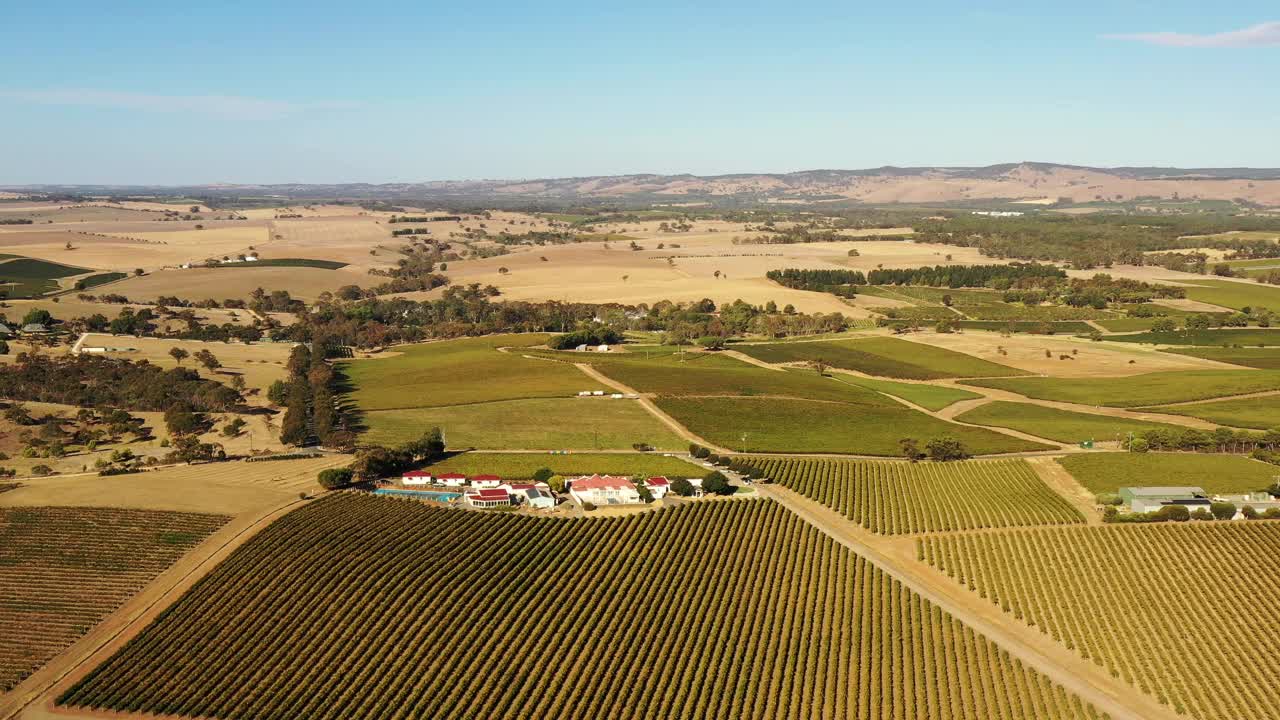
x: 260, y: 364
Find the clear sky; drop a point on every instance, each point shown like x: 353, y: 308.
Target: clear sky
x: 151, y: 92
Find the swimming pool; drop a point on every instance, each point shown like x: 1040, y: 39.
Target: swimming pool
x: 433, y: 495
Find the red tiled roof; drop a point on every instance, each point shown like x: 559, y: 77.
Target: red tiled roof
x: 417, y: 473
x: 452, y: 476
x: 522, y: 486
x: 491, y: 494
x: 484, y: 478
x: 601, y: 482
x: 657, y: 481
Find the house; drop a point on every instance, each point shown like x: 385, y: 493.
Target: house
x: 485, y: 481
x: 34, y: 329
x: 658, y: 487
x: 5, y: 330
x: 416, y: 477
x: 603, y: 348
x: 488, y: 498
x: 603, y: 490
x: 452, y: 479
x: 1153, y: 499
x: 537, y: 496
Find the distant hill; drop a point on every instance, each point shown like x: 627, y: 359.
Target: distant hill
x: 1031, y: 182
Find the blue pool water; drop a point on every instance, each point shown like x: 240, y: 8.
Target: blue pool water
x: 433, y: 495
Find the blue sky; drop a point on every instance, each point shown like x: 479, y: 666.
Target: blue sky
x: 149, y: 92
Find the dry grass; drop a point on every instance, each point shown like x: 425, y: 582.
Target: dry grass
x: 260, y: 364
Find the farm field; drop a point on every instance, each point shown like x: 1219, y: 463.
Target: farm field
x: 1102, y: 473
x: 1241, y: 336
x: 286, y: 262
x: 1120, y: 596
x: 259, y: 363
x: 789, y: 624
x: 902, y: 497
x: 199, y: 283
x: 28, y: 277
x: 455, y: 372
x: 1059, y: 355
x: 1063, y: 426
x: 522, y: 466
x: 930, y: 397
x: 227, y: 488
x: 532, y: 424
x: 1235, y: 295
x: 884, y: 356
x: 1259, y: 413
x: 1260, y: 358
x: 1140, y: 390
x: 1029, y: 326
x: 806, y: 426
x: 65, y: 569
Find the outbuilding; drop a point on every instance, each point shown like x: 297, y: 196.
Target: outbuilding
x: 485, y: 481
x: 452, y: 479
x: 416, y: 477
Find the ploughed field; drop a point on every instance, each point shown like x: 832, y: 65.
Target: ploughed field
x: 62, y: 570
x: 1185, y: 612
x: 361, y: 607
x: 901, y: 497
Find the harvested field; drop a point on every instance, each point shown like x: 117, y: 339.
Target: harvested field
x: 531, y: 424
x: 194, y: 284
x: 789, y: 624
x: 784, y: 425
x: 1083, y: 359
x: 903, y: 497
x: 260, y: 364
x: 65, y: 569
x: 1063, y: 426
x: 1140, y: 390
x: 1119, y: 596
x: 1102, y: 473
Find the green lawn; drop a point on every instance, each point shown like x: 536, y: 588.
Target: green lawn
x: 1102, y: 473
x: 1236, y: 295
x: 537, y: 424
x: 520, y: 466
x: 1259, y: 413
x: 931, y: 397
x: 1140, y: 390
x: 884, y: 356
x: 805, y: 426
x: 1243, y: 336
x: 1262, y: 358
x: 1061, y: 425
x: 457, y: 372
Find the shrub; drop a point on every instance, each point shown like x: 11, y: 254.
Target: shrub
x: 702, y: 453
x: 682, y: 487
x: 1270, y: 514
x: 588, y: 507
x: 716, y: 483
x: 1249, y: 512
x: 542, y: 474
x: 945, y: 449
x: 1201, y: 514
x: 335, y: 478
x: 1109, y: 499
x: 41, y: 470
x: 1222, y: 510
x: 1176, y: 513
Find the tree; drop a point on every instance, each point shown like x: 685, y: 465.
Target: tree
x: 911, y: 449
x: 4, y: 348
x: 556, y: 483
x: 278, y: 392
x: 207, y: 359
x: 37, y: 316
x: 335, y: 478
x: 944, y: 449
x: 542, y: 474
x: 180, y: 420
x: 1222, y: 510
x: 682, y: 487
x: 233, y: 428
x: 178, y: 354
x: 702, y: 453
x: 820, y: 366
x: 717, y: 484
x: 646, y: 495
x: 1176, y: 513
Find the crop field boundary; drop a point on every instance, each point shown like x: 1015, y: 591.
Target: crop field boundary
x: 1039, y: 652
x: 38, y: 691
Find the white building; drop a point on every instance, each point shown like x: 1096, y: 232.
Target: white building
x: 658, y: 487
x: 537, y: 496
x: 602, y: 490
x: 486, y: 482
x: 488, y: 498
x: 452, y: 479
x: 416, y: 477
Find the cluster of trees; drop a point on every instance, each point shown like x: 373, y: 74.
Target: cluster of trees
x: 960, y: 276
x: 1221, y: 440
x: 1180, y: 513
x: 412, y: 273
x: 591, y: 334
x: 95, y: 381
x: 1261, y: 317
x: 836, y: 282
x: 51, y: 435
x: 424, y: 218
x: 310, y: 402
x: 798, y: 235
x: 377, y: 462
x: 943, y: 449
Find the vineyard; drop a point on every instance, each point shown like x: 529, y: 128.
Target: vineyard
x: 900, y: 497
x: 1188, y: 614
x: 62, y: 570
x: 362, y: 607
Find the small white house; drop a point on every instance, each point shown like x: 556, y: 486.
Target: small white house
x: 658, y: 487
x: 486, y: 482
x: 598, y: 393
x: 416, y: 477
x: 452, y: 479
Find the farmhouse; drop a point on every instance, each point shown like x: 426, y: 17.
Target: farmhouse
x: 452, y: 479
x: 658, y: 487
x: 416, y: 477
x: 603, y: 490
x: 485, y: 481
x: 488, y: 498
x: 535, y: 495
x: 1152, y: 499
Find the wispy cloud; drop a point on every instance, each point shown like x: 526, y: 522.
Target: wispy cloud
x: 231, y: 106
x: 1264, y: 34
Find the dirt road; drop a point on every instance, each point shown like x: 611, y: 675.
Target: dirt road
x: 653, y: 409
x: 1037, y: 650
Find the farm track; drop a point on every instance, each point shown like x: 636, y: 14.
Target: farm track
x: 33, y: 698
x: 1060, y: 481
x: 1033, y: 648
x: 649, y: 405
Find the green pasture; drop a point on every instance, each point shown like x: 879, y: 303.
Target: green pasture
x: 1259, y: 413
x: 1267, y: 358
x: 1102, y: 473
x: 1242, y: 336
x: 930, y: 397
x: 1062, y: 426
x: 1140, y: 390
x: 883, y: 356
